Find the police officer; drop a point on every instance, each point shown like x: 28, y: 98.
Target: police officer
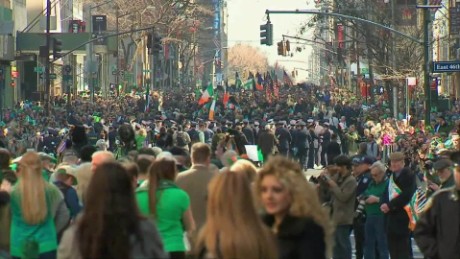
x: 361, y: 170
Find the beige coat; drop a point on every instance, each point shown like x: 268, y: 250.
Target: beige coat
x: 343, y: 200
x: 195, y: 182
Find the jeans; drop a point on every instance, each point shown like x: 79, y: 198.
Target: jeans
x: 375, y: 237
x: 342, y: 247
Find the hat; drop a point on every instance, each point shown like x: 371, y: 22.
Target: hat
x: 292, y: 123
x: 342, y: 160
x: 256, y: 123
x: 359, y: 160
x: 397, y: 156
x: 44, y: 156
x: 301, y: 123
x: 67, y: 170
x: 246, y: 121
x: 279, y: 123
x: 442, y: 164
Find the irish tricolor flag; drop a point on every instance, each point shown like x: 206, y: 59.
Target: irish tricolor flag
x: 206, y: 95
x: 211, y: 110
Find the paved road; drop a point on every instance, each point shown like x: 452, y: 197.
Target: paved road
x: 417, y: 254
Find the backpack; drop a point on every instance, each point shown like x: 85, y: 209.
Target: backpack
x: 180, y: 139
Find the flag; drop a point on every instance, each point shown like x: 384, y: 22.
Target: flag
x: 147, y: 104
x: 260, y: 82
x: 226, y: 99
x: 211, y: 110
x: 249, y: 84
x: 206, y: 95
x: 238, y: 82
x: 287, y: 80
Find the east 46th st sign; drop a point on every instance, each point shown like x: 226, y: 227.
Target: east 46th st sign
x: 446, y: 66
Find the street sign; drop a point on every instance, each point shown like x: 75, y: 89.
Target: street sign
x: 52, y: 76
x: 446, y: 66
x: 39, y: 69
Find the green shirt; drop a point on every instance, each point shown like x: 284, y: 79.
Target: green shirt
x: 43, y: 233
x: 171, y: 204
x: 375, y: 189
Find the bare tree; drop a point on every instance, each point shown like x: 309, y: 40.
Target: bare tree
x: 244, y: 58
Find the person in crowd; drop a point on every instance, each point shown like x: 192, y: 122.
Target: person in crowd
x: 83, y: 171
x: 245, y: 167
x: 266, y: 142
x: 300, y: 142
x: 143, y: 163
x: 38, y: 212
x: 293, y: 210
x: 101, y: 157
x: 232, y: 228
x: 181, y: 139
x: 375, y: 241
x: 361, y: 171
x: 111, y: 225
x: 133, y: 171
x: 373, y: 148
x: 161, y: 200
x: 438, y: 228
x: 8, y: 181
x: 195, y: 181
x: 352, y: 140
x: 248, y: 132
x: 343, y: 191
x: 65, y: 180
x: 284, y: 138
x: 443, y: 168
x: 401, y: 187
x: 333, y: 149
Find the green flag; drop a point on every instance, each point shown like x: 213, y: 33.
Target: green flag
x: 248, y: 85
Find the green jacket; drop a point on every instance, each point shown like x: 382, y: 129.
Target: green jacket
x: 44, y: 233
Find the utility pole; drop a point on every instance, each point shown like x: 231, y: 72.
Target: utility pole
x: 118, y: 58
x: 426, y: 61
x: 46, y: 97
x: 393, y: 61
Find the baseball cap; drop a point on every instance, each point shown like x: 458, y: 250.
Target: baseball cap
x: 342, y: 160
x: 358, y: 160
x: 442, y: 164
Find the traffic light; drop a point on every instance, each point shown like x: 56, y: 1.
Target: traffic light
x: 154, y: 43
x: 266, y: 34
x: 57, y: 48
x: 288, y: 46
x: 281, y: 48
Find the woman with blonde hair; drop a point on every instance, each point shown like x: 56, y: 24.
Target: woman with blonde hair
x: 245, y: 167
x: 233, y: 229
x: 38, y: 212
x: 293, y: 210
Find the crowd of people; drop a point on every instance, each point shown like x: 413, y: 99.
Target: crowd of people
x: 158, y: 178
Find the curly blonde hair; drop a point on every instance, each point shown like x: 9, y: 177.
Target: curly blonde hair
x: 305, y: 200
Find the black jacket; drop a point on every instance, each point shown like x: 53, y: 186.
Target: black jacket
x: 397, y: 218
x: 299, y: 238
x: 438, y: 230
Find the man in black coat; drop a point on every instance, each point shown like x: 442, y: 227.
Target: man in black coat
x: 284, y: 138
x: 398, y: 233
x: 301, y: 143
x: 248, y: 132
x: 438, y: 228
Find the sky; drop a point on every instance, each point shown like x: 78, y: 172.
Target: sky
x: 245, y: 17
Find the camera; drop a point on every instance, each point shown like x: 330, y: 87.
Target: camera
x: 359, y: 212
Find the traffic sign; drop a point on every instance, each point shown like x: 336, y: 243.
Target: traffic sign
x: 39, y: 69
x: 446, y: 66
x: 52, y: 76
